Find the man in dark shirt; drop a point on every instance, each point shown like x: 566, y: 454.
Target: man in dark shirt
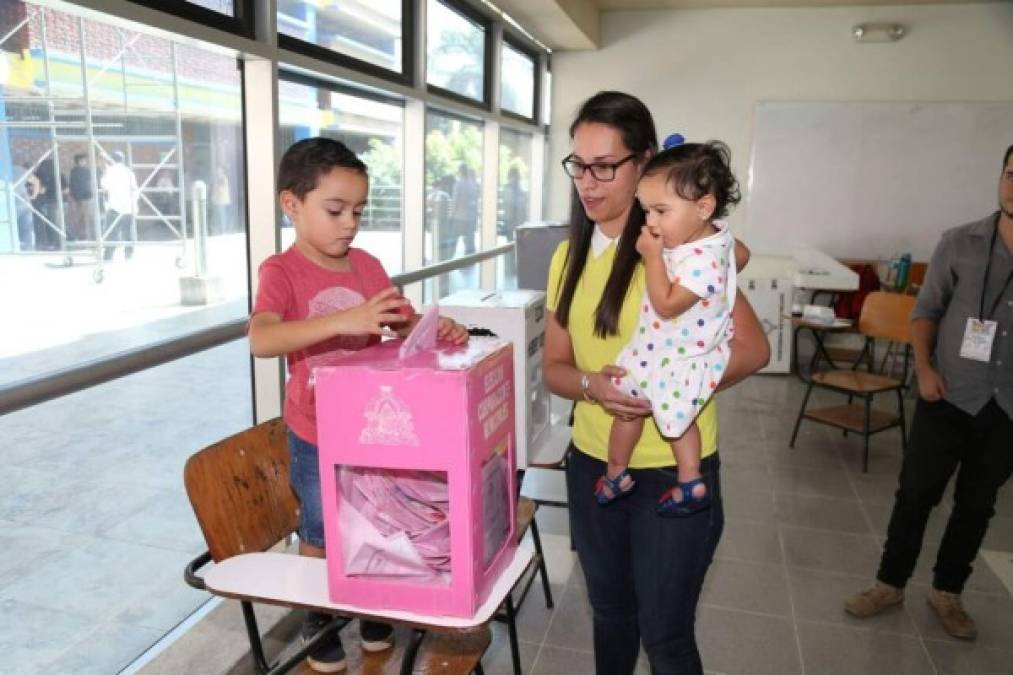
x: 964, y: 360
x: 82, y: 194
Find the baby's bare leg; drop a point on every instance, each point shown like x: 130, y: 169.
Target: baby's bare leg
x: 622, y: 439
x: 687, y: 457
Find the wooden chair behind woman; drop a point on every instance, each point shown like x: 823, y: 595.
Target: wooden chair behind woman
x: 885, y: 316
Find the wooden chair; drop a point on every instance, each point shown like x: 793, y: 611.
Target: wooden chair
x: 885, y: 316
x: 240, y: 493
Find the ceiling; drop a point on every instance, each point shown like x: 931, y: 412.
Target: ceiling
x: 576, y: 24
x: 706, y: 4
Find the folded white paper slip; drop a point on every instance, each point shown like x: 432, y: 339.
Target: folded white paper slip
x: 819, y: 314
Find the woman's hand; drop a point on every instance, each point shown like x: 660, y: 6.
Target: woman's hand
x: 449, y: 330
x: 602, y: 389
x: 648, y: 245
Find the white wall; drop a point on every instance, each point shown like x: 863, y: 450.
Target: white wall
x: 702, y: 71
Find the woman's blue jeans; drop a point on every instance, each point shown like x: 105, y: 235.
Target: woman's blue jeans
x: 644, y: 572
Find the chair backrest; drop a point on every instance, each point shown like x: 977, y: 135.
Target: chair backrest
x: 887, y: 316
x: 239, y: 489
x: 916, y: 275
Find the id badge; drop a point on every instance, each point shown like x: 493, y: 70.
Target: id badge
x: 978, y: 339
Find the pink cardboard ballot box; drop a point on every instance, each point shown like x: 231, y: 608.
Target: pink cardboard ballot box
x: 418, y: 478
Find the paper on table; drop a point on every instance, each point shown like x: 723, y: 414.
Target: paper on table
x: 423, y: 336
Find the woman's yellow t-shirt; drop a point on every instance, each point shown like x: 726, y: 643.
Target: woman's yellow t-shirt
x: 592, y: 424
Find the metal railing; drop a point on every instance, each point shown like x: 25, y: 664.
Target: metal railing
x: 34, y: 390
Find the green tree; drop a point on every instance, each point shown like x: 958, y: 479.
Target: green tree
x: 447, y: 149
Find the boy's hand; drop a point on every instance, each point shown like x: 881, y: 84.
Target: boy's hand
x: 375, y: 315
x: 449, y: 330
x: 648, y: 245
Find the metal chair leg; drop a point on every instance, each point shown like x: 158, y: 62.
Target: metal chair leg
x: 256, y: 647
x: 411, y: 651
x: 801, y: 411
x: 542, y: 570
x: 515, y: 649
x: 851, y: 399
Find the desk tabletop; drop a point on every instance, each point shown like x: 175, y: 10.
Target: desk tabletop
x: 298, y: 581
x: 837, y: 325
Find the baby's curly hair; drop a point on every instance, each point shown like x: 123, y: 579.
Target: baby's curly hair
x: 697, y: 169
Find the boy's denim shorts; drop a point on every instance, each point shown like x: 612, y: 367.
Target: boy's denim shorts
x: 304, y: 475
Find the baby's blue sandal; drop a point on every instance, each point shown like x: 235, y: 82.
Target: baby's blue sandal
x: 607, y: 490
x: 670, y: 507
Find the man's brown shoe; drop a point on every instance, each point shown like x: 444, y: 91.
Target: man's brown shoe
x: 951, y: 614
x: 874, y: 600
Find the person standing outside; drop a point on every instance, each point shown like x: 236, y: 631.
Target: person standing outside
x: 82, y: 195
x: 120, y: 187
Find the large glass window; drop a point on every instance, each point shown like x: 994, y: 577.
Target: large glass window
x: 121, y: 224
x: 517, y: 81
x: 513, y: 197
x: 368, y: 30
x: 116, y: 147
x: 371, y: 129
x: 453, y: 196
x: 455, y: 50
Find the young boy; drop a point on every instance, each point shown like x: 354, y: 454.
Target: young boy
x: 317, y: 301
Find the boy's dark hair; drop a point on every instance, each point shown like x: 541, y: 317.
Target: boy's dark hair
x: 1005, y: 160
x: 631, y: 118
x: 304, y: 163
x: 698, y: 169
x: 79, y: 156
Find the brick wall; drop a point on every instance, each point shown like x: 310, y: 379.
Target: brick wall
x: 104, y: 42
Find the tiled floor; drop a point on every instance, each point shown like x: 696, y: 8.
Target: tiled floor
x: 804, y: 530
x: 95, y: 527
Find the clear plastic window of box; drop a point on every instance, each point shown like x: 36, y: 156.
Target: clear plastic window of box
x: 395, y: 523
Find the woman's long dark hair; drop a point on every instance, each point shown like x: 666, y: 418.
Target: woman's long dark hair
x: 631, y: 118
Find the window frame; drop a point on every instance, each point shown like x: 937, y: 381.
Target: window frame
x: 409, y: 18
x: 517, y: 44
x: 241, y: 23
x: 285, y: 74
x: 483, y: 22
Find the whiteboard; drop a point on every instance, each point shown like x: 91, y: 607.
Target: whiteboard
x: 869, y: 180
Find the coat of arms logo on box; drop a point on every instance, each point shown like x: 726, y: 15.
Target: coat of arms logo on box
x: 388, y: 421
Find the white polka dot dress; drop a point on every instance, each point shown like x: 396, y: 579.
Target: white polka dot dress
x: 677, y: 363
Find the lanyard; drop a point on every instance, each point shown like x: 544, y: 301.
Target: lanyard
x: 984, y: 284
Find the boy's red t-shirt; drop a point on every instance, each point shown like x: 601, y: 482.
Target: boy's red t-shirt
x: 295, y: 288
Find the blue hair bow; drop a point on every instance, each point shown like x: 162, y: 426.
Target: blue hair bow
x: 673, y: 140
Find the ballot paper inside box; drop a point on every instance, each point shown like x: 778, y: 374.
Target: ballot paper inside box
x: 417, y: 466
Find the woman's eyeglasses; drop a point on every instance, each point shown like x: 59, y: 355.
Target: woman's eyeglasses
x: 601, y: 171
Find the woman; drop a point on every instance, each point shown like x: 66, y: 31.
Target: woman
x: 644, y: 573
